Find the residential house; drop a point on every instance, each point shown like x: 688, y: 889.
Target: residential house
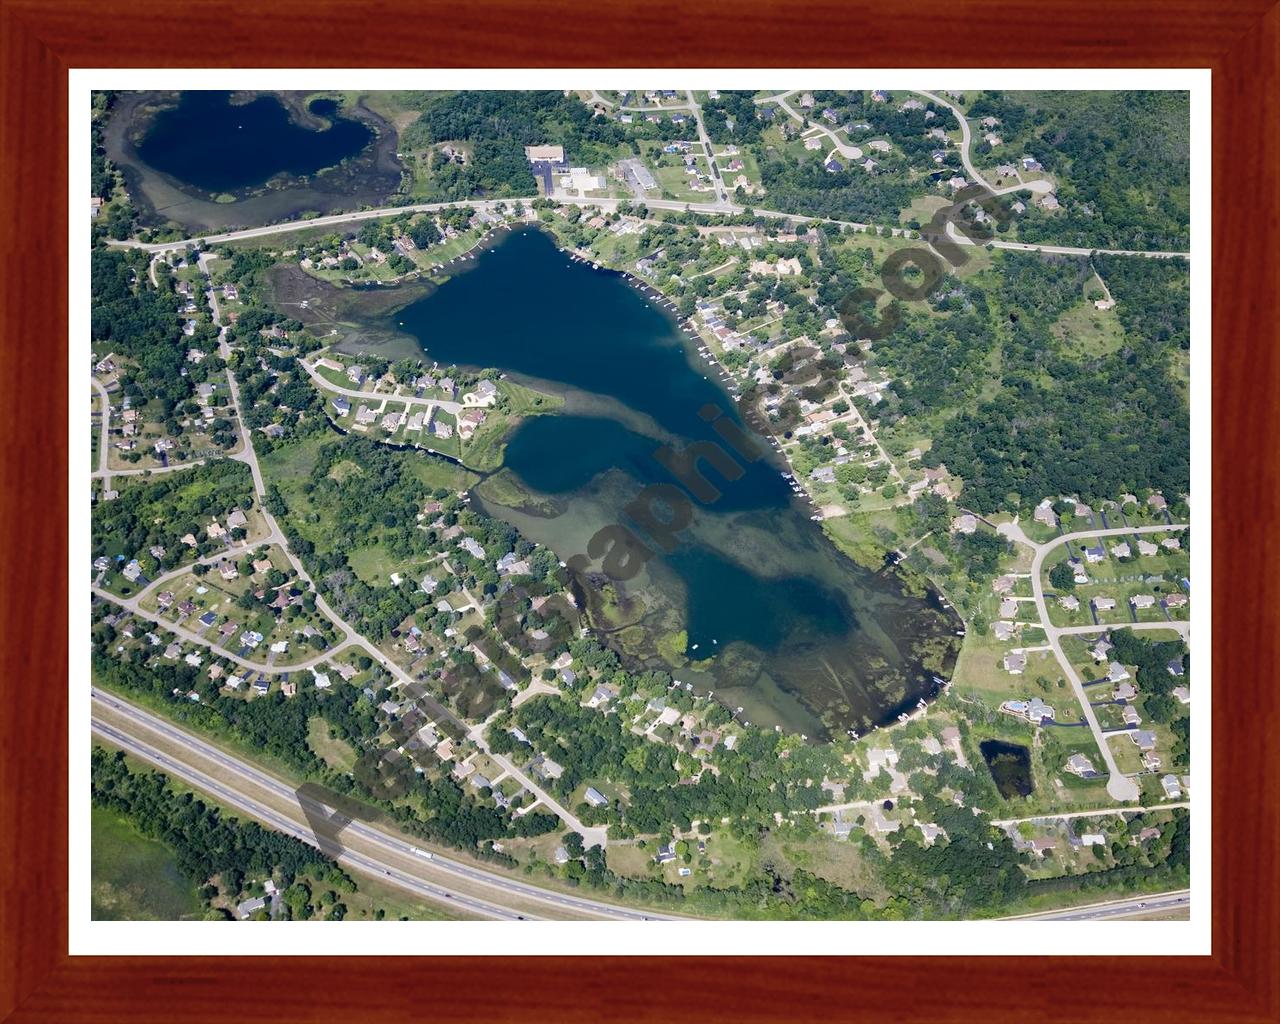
x: 1034, y: 710
x: 1015, y: 662
x: 1144, y: 739
x: 1079, y: 764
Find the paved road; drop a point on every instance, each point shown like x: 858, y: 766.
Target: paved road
x: 1119, y: 786
x: 1096, y: 813
x: 1039, y: 186
x: 378, y: 396
x: 713, y: 168
x: 607, y: 205
x: 1134, y: 906
x: 103, y: 472
x: 136, y: 723
x: 280, y: 823
x: 173, y: 467
x: 845, y: 149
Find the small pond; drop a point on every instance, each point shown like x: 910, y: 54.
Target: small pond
x: 1010, y: 766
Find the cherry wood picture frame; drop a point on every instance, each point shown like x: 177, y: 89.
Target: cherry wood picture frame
x: 39, y: 41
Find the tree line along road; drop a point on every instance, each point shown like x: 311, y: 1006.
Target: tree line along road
x: 607, y: 205
x: 277, y: 803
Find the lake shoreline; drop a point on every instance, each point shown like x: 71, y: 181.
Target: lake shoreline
x: 160, y: 199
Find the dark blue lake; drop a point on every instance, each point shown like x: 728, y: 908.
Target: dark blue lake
x: 213, y: 144
x: 776, y: 619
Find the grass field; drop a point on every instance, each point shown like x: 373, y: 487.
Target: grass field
x: 136, y: 878
x: 334, y: 751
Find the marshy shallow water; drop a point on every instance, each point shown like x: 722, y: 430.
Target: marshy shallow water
x: 753, y: 602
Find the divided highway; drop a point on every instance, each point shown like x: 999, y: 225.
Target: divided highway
x: 1134, y: 906
x: 383, y: 854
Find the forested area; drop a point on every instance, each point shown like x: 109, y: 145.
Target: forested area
x: 498, y: 125
x: 1120, y: 160
x: 938, y: 356
x: 160, y: 510
x: 1153, y: 299
x: 802, y: 184
x: 135, y: 320
x: 222, y: 856
x: 1094, y: 427
x: 736, y: 109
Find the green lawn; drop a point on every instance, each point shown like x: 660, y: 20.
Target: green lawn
x: 135, y: 878
x: 1087, y: 332
x: 334, y: 751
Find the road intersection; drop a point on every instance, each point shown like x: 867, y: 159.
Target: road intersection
x: 607, y: 205
x: 1119, y: 786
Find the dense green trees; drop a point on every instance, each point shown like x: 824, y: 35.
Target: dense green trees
x: 1060, y: 425
x: 498, y: 125
x: 135, y: 320
x: 205, y: 843
x: 1152, y: 660
x: 1121, y: 161
x: 1062, y: 577
x: 160, y: 510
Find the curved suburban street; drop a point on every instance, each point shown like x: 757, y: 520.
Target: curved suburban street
x: 458, y: 882
x: 1119, y: 786
x: 1039, y: 186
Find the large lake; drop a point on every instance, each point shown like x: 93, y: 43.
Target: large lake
x: 209, y: 160
x: 214, y: 144
x: 777, y: 620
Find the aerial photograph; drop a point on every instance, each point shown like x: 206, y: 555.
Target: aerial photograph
x: 639, y: 505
